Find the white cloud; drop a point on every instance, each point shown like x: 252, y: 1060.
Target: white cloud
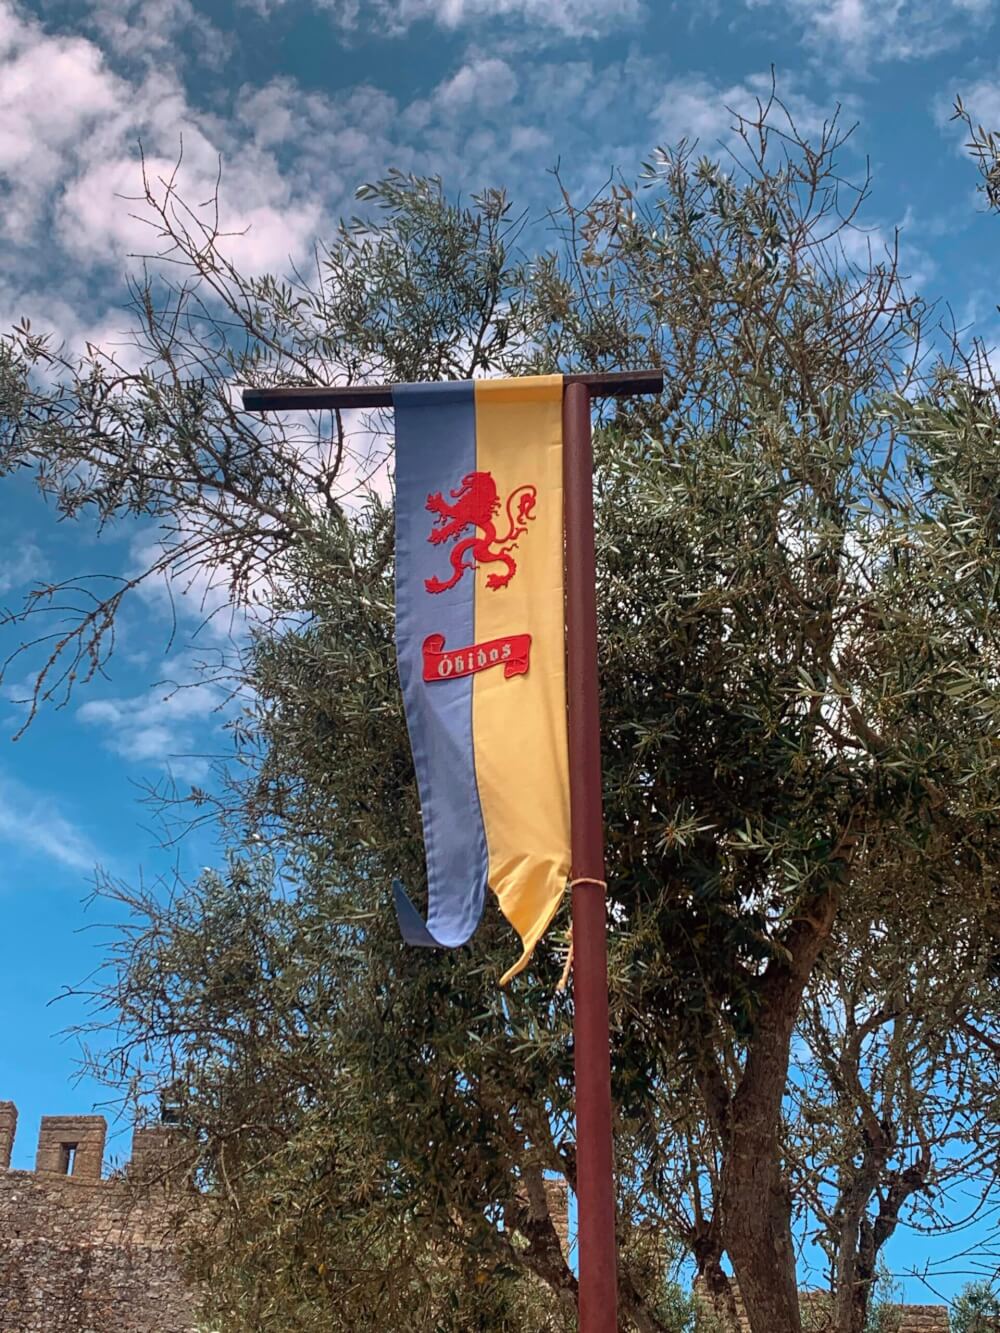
x: 482, y: 85
x: 566, y: 18
x: 69, y: 161
x: 73, y: 115
x: 54, y: 91
x: 524, y: 119
x: 67, y: 309
x: 198, y: 597
x: 876, y: 242
x: 23, y: 566
x: 148, y: 30
x: 691, y: 106
x: 162, y: 726
x: 31, y: 823
x: 578, y: 18
x: 864, y: 32
x: 981, y: 98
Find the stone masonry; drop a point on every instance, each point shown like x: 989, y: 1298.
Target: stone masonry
x: 81, y: 1253
x: 910, y: 1318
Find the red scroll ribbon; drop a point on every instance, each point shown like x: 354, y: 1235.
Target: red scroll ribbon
x: 511, y: 652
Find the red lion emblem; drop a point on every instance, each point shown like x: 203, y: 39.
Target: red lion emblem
x: 476, y: 505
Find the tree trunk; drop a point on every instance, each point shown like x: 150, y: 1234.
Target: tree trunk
x: 859, y: 1298
x: 856, y: 1249
x: 759, y: 1243
x: 756, y: 1205
x: 856, y: 1279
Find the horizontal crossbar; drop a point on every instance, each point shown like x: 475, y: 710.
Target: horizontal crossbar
x: 309, y: 398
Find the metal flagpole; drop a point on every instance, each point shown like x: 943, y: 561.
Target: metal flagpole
x: 595, y: 1191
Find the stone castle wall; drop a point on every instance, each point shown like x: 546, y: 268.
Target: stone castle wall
x: 815, y: 1314
x: 80, y: 1253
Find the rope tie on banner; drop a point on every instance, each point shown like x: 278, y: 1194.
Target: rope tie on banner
x: 584, y: 879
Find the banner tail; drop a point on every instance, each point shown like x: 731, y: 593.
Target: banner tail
x: 531, y: 936
x: 414, y: 929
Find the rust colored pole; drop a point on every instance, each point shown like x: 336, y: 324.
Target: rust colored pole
x: 595, y: 1193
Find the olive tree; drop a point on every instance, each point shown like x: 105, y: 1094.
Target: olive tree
x: 797, y: 584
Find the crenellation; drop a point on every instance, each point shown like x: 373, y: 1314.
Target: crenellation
x: 72, y: 1145
x: 557, y: 1198
x: 158, y: 1154
x: 8, y: 1128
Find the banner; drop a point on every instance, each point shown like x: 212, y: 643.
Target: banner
x: 480, y: 640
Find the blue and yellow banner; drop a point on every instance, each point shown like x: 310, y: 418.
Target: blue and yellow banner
x: 480, y: 639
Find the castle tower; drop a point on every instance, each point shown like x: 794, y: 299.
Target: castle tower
x: 8, y: 1128
x: 72, y: 1145
x: 159, y: 1152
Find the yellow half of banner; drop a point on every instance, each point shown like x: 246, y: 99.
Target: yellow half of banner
x: 519, y: 723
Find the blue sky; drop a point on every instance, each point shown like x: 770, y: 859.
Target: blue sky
x: 303, y: 100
